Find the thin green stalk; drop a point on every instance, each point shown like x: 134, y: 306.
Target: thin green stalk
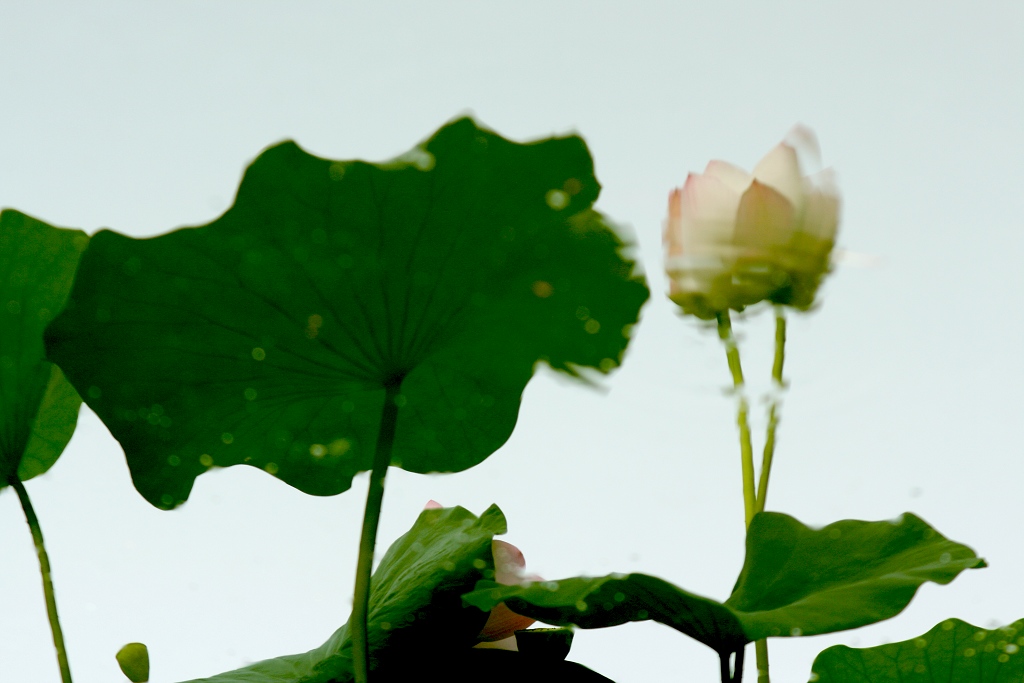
x: 371, y: 518
x: 761, y: 650
x: 773, y: 408
x: 732, y: 354
x: 44, y: 569
x: 761, y: 646
x: 754, y: 501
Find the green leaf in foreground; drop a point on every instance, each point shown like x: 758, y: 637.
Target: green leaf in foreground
x: 418, y: 625
x: 952, y: 652
x: 600, y: 602
x: 38, y: 407
x: 795, y: 581
x: 416, y: 612
x: 268, y: 336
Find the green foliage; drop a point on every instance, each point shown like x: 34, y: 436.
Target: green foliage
x: 38, y: 407
x: 952, y: 652
x: 616, y: 599
x: 416, y: 612
x: 802, y: 581
x: 795, y: 581
x: 267, y: 336
x: 133, y: 659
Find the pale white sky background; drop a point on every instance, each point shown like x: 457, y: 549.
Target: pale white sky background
x: 905, y: 384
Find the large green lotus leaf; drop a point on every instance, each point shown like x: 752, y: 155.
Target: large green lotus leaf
x: 38, y: 407
x: 415, y: 601
x: 802, y: 581
x: 952, y: 652
x: 417, y: 622
x: 267, y: 337
x: 795, y: 581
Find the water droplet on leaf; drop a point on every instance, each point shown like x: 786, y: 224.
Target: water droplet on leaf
x: 557, y: 199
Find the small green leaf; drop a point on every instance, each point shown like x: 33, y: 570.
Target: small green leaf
x: 38, y: 407
x: 133, y: 659
x: 416, y: 610
x: 267, y: 337
x: 952, y: 652
x: 795, y: 581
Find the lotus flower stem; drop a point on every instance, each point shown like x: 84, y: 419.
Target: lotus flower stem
x: 732, y: 354
x: 761, y: 646
x: 753, y: 502
x: 368, y: 538
x: 773, y: 407
x: 44, y: 569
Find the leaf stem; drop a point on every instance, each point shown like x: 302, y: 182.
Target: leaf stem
x: 732, y: 355
x: 773, y: 408
x: 761, y: 651
x: 44, y: 569
x: 368, y: 538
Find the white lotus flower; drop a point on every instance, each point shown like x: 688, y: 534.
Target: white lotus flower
x: 733, y: 239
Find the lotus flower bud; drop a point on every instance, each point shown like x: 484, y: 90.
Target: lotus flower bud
x: 509, y: 564
x: 133, y: 659
x: 733, y: 239
x: 502, y: 623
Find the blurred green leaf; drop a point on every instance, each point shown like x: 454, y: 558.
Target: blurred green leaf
x: 795, y: 581
x: 133, y: 659
x: 266, y: 337
x: 38, y: 408
x: 952, y: 652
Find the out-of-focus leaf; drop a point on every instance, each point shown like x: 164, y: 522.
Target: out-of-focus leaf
x: 38, y: 407
x: 952, y: 652
x: 267, y: 337
x: 795, y: 581
x: 133, y: 659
